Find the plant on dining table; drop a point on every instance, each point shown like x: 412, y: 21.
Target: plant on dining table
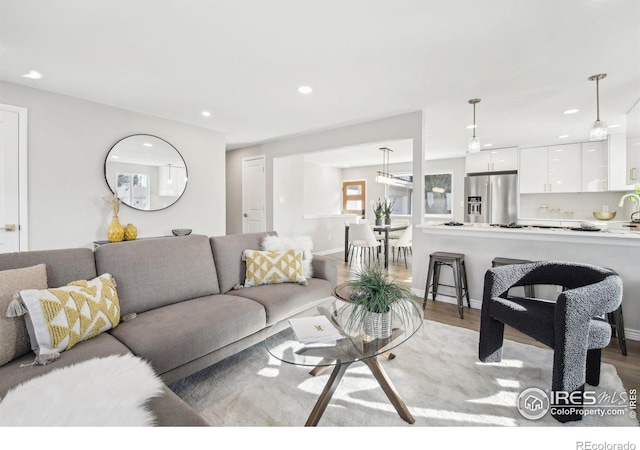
x: 378, y: 210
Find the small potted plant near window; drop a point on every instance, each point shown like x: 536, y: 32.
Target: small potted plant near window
x: 388, y: 206
x: 378, y: 210
x: 376, y: 298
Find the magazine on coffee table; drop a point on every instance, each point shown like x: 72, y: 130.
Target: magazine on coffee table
x: 315, y: 329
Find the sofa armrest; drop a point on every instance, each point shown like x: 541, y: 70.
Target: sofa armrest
x: 325, y: 268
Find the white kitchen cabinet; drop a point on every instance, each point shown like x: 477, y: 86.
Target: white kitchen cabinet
x: 633, y: 145
x: 618, y: 173
x: 495, y: 160
x: 633, y: 161
x: 534, y: 170
x: 555, y: 168
x: 595, y: 166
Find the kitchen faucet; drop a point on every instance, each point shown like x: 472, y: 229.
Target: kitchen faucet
x: 634, y: 196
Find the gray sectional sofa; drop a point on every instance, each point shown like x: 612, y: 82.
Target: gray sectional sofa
x: 189, y: 313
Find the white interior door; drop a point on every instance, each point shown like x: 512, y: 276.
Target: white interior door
x: 9, y: 182
x: 254, y: 216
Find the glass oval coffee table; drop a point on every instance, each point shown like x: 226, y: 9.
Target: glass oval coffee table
x: 354, y: 346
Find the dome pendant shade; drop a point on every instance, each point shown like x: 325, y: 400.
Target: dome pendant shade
x: 599, y: 131
x: 474, y: 142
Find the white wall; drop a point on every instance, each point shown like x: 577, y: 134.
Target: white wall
x: 406, y: 126
x: 68, y: 141
x: 322, y: 189
x: 376, y: 190
x: 576, y: 206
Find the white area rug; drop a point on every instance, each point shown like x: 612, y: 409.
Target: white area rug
x: 101, y: 392
x: 436, y: 372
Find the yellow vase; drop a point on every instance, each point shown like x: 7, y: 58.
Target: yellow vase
x: 130, y: 232
x: 115, y: 232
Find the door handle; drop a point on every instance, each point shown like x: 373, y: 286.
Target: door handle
x: 632, y: 173
x: 9, y: 227
x: 246, y: 215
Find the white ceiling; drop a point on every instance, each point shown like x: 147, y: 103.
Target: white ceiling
x: 242, y: 60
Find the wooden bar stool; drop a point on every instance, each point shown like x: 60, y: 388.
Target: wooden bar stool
x: 456, y: 262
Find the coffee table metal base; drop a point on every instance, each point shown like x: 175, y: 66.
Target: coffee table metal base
x: 334, y: 379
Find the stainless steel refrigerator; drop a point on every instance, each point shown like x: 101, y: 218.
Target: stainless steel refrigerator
x: 491, y: 198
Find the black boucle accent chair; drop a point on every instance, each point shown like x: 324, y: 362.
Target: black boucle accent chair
x: 572, y: 325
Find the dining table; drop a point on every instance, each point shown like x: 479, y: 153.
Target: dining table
x: 380, y: 229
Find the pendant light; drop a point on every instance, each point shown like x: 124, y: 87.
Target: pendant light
x: 474, y: 142
x: 599, y: 128
x: 385, y: 177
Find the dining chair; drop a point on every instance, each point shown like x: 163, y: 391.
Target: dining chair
x: 402, y: 244
x: 363, y: 240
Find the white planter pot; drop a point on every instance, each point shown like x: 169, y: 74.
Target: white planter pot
x: 378, y: 325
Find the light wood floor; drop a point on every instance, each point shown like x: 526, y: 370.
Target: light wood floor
x: 628, y: 367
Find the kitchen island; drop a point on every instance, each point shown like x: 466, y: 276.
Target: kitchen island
x: 617, y: 249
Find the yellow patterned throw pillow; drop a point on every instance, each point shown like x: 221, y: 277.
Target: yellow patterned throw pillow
x: 274, y: 267
x: 59, y: 318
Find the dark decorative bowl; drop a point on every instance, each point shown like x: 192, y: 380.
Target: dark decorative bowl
x: 181, y: 231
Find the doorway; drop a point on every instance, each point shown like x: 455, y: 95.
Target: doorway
x: 254, y: 187
x: 354, y: 197
x: 13, y: 179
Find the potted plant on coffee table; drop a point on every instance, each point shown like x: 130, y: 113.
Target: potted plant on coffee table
x: 376, y: 298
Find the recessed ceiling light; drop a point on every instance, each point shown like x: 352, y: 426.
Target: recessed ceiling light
x: 305, y: 90
x: 615, y: 125
x: 206, y: 114
x: 563, y: 136
x: 148, y: 144
x: 470, y: 127
x: 571, y: 111
x: 488, y: 145
x: 33, y: 74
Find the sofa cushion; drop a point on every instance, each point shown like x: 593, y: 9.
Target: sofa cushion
x: 59, y: 318
x: 284, y: 300
x: 227, y: 252
x: 176, y: 334
x: 274, y: 267
x: 156, y: 272
x: 63, y: 266
x: 304, y: 243
x: 14, y: 338
x: 12, y: 374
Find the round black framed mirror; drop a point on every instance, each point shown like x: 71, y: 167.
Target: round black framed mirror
x: 146, y: 172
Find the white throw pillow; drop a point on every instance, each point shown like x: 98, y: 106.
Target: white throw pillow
x: 303, y: 243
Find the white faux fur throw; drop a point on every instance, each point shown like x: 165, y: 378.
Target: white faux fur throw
x: 304, y: 243
x: 110, y: 391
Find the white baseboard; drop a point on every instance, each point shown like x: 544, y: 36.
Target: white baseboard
x: 329, y: 252
x: 632, y: 335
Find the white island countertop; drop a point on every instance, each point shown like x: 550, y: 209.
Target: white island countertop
x: 606, y: 236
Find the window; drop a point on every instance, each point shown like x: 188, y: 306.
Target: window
x: 401, y: 197
x: 354, y: 197
x: 437, y: 194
